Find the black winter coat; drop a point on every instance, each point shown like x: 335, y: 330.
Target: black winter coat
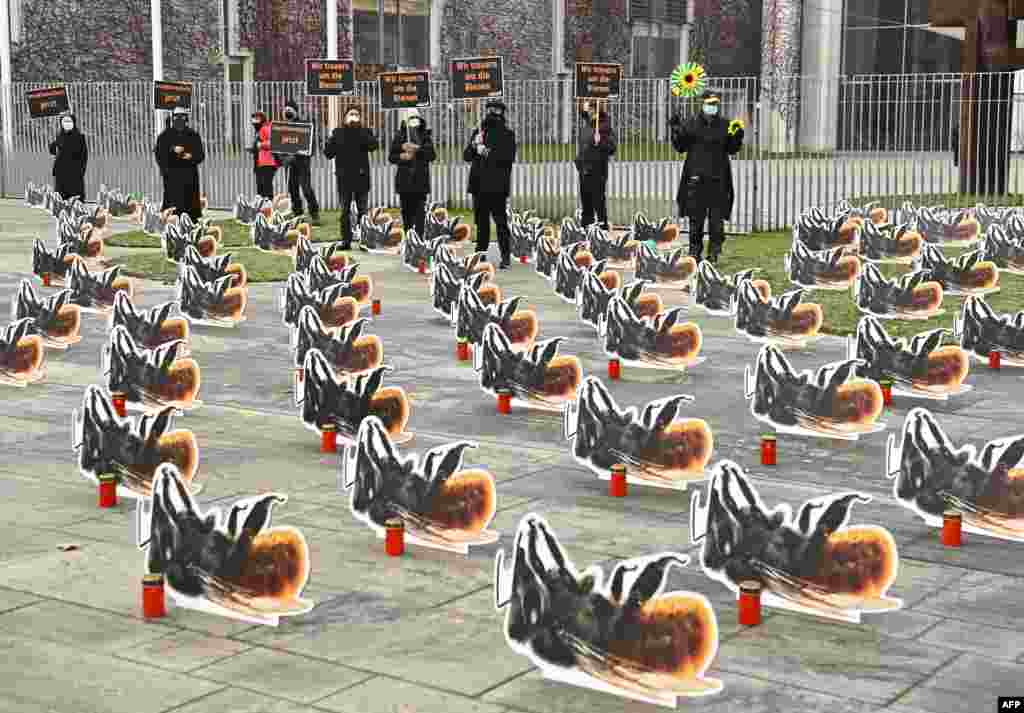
x: 72, y: 152
x: 592, y: 158
x: 491, y: 175
x: 181, y: 175
x: 412, y: 175
x: 350, y: 148
x: 708, y: 146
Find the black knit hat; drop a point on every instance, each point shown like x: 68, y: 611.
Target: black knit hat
x: 290, y: 104
x: 496, y: 104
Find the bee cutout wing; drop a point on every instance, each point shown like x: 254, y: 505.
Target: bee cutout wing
x: 927, y: 342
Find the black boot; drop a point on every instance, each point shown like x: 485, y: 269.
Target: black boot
x: 506, y: 262
x: 714, y: 252
x: 697, y: 249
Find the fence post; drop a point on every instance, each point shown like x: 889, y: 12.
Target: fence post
x: 5, y: 81
x: 756, y: 223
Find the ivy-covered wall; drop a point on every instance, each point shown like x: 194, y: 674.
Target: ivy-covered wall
x: 518, y: 30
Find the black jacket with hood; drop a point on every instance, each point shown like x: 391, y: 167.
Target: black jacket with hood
x: 491, y: 174
x: 592, y: 157
x: 298, y: 161
x: 72, y: 152
x: 413, y: 174
x: 708, y: 146
x: 350, y: 147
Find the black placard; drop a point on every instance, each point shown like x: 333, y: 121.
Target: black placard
x: 404, y: 90
x: 169, y: 95
x: 597, y: 80
x: 330, y: 77
x: 290, y: 137
x: 477, y: 78
x: 47, y: 102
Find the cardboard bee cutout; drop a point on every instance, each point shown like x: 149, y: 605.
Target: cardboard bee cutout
x: 22, y: 354
x: 593, y: 299
x: 921, y: 369
x: 818, y: 231
x: 320, y: 277
x: 155, y: 220
x: 445, y: 289
x: 441, y: 505
x: 346, y: 348
x: 657, y: 447
x: 981, y: 331
x: 213, y: 268
x: 131, y: 448
x: 331, y: 253
x: 82, y: 238
x: 828, y: 403
x: 933, y: 477
x: 472, y: 315
x: 56, y: 264
x: 475, y: 264
x: 54, y: 319
x: 571, y: 233
x: 622, y: 635
x: 656, y: 343
x: 526, y: 236
x: 152, y: 328
x: 674, y: 270
x: 119, y: 205
x: 662, y: 233
x: 246, y: 210
x: 233, y: 564
x: 215, y: 304
x: 537, y: 379
x: 573, y: 263
x: 334, y: 308
x: 379, y: 233
x: 275, y: 234
x: 179, y: 237
x: 915, y: 295
x: 812, y: 562
x: 888, y: 243
x: 1004, y: 251
x: 784, y: 320
x: 95, y: 291
x: 418, y: 251
x: 35, y: 196
x: 947, y: 226
x: 546, y: 257
x: 438, y: 225
x: 150, y: 379
x: 619, y: 252
x: 826, y: 270
x: 967, y: 274
x: 717, y: 294
x: 988, y: 217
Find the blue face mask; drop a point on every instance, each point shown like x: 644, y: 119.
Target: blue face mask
x: 710, y: 110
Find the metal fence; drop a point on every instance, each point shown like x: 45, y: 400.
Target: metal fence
x: 826, y: 140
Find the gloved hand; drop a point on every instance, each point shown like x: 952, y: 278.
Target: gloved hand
x: 482, y: 150
x: 586, y: 106
x: 410, y: 147
x: 675, y: 121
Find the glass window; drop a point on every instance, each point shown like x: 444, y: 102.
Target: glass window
x: 930, y: 52
x: 875, y: 13
x: 874, y: 51
x: 917, y: 12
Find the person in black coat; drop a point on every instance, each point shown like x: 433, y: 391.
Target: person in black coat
x: 706, y: 190
x: 492, y: 152
x: 179, y: 151
x: 595, y: 149
x: 72, y: 152
x: 350, y: 148
x: 412, y: 150
x: 300, y: 181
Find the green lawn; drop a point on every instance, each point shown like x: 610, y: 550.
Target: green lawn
x: 950, y: 200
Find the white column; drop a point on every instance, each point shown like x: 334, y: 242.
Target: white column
x: 557, y: 37
x: 158, y: 53
x: 821, y: 44
x: 332, y: 53
x: 684, y: 36
x: 436, y: 23
x: 5, y: 76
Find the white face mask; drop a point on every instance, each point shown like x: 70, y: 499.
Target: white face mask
x: 67, y: 124
x: 414, y: 122
x: 352, y: 118
x: 710, y: 110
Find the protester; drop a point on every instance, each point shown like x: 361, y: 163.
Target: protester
x: 705, y: 188
x: 596, y: 146
x: 412, y: 150
x: 265, y: 163
x: 350, y: 147
x: 300, y: 180
x: 72, y: 157
x: 179, y: 151
x: 492, y: 152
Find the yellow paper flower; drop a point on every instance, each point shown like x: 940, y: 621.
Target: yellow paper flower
x: 734, y: 126
x: 687, y: 80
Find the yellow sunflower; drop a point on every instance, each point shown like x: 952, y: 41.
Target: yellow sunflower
x: 687, y: 80
x: 734, y: 126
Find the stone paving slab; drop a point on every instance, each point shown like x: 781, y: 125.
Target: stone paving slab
x: 421, y: 634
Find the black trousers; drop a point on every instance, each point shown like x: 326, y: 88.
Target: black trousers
x: 594, y: 201
x: 300, y: 185
x: 485, y: 207
x: 347, y: 195
x: 265, y: 181
x: 705, y: 205
x: 414, y: 215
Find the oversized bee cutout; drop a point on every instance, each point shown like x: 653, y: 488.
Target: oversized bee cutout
x: 982, y: 331
x: 246, y: 210
x: 913, y: 296
x: 869, y: 213
x: 320, y: 277
x: 453, y: 230
x: 472, y: 315
x: 633, y: 640
x: 657, y: 447
x: 933, y: 477
x: 987, y: 217
x: 214, y: 303
x: 56, y: 264
x: 378, y: 233
x: 664, y: 232
x: 717, y: 294
x: 827, y: 270
x: 214, y: 268
x: 538, y: 379
x: 658, y: 343
x: 890, y: 244
x: 813, y: 563
x: 783, y: 320
x: 829, y: 403
x: 964, y: 275
x: 571, y: 232
x: 22, y: 354
x: 441, y: 505
x: 344, y: 402
x: 95, y: 291
x: 333, y: 307
x: 1014, y: 225
x: 277, y: 235
x: 154, y: 327
x: 674, y: 270
x: 177, y: 238
x: 1004, y: 252
x: 546, y: 256
x: 155, y: 220
x: 463, y: 267
x: 593, y: 299
x: 305, y: 251
x: 57, y: 321
x: 445, y: 289
x: 150, y: 378
x: 242, y: 569
x: 131, y: 448
x: 526, y: 238
x: 619, y: 252
x: 921, y: 368
x: 573, y: 264
x: 119, y: 205
x: 348, y: 350
x: 940, y: 226
x: 418, y: 251
x: 820, y: 232
x: 82, y: 237
x: 35, y: 196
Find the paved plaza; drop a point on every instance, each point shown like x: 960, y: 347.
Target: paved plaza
x: 420, y: 634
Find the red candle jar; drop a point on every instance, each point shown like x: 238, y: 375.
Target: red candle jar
x: 119, y: 398
x: 614, y: 369
x: 328, y: 438
x: 768, y: 450
x: 617, y: 487
x: 952, y: 528
x: 375, y: 307
x: 504, y: 401
x: 154, y: 603
x: 423, y: 267
x: 300, y: 374
x: 750, y: 603
x: 46, y: 279
x: 994, y: 359
x: 462, y: 350
x: 523, y: 259
x: 108, y: 491
x: 886, y: 387
x: 394, y: 537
